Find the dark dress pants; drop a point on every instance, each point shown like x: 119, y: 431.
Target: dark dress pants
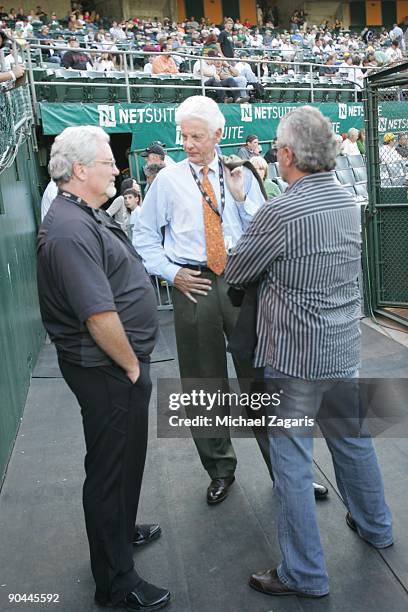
x: 221, y: 93
x: 115, y: 420
x: 201, y: 330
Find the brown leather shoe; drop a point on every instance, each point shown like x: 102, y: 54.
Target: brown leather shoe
x: 218, y: 489
x: 352, y: 524
x: 268, y: 582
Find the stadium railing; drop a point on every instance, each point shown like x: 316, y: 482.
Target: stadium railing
x: 303, y: 85
x: 16, y: 115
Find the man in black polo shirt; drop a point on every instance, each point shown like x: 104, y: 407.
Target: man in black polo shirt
x: 99, y: 308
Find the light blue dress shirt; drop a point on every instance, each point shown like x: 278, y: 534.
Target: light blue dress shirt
x: 174, y: 202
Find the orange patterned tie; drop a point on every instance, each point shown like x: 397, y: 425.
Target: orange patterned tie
x: 214, y: 236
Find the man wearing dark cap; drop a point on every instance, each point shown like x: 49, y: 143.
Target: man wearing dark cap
x: 76, y: 58
x: 154, y: 154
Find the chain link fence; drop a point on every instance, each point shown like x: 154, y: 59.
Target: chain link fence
x: 386, y: 216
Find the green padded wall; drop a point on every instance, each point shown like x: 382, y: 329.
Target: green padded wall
x: 21, y: 331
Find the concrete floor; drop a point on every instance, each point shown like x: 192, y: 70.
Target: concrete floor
x: 205, y: 554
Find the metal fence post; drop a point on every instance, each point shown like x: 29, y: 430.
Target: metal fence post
x: 126, y: 76
x: 311, y: 84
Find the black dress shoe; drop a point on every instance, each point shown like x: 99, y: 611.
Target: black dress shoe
x: 268, y: 582
x: 146, y: 533
x: 145, y: 596
x: 320, y: 491
x: 218, y: 489
x: 352, y: 524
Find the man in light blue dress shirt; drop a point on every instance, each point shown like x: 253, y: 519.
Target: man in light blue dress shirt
x: 203, y: 313
x: 202, y: 310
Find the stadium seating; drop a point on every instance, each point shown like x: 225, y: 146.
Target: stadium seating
x: 351, y: 176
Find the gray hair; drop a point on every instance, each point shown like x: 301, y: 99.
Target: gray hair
x: 153, y: 169
x: 202, y: 109
x: 74, y: 144
x: 353, y: 132
x: 310, y: 136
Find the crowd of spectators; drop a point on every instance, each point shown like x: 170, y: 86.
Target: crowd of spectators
x: 326, y: 43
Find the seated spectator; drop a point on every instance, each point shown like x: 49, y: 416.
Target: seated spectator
x: 148, y: 67
x: 388, y: 151
x: 20, y: 14
x: 345, y: 69
x: 402, y: 147
x: 361, y: 141
x: 349, y: 146
x: 208, y: 70
x: 356, y: 74
x: 117, y: 32
x: 164, y: 64
x: 210, y: 43
x: 251, y: 147
x: 260, y: 165
x: 227, y: 70
x: 317, y: 49
x: 105, y: 63
x: 392, y: 171
x: 245, y: 72
x: 75, y: 58
x: 329, y: 67
x: 271, y: 156
x: 394, y: 53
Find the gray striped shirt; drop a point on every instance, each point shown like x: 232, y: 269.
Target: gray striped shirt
x: 304, y: 247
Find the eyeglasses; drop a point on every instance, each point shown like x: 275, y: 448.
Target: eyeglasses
x: 111, y: 162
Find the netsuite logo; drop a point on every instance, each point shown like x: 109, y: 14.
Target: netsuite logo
x: 107, y: 117
x: 246, y: 112
x: 342, y: 111
x: 382, y: 124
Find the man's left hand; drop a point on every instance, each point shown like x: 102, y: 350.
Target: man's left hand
x: 235, y: 183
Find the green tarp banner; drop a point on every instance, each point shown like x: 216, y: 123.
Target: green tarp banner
x: 157, y: 122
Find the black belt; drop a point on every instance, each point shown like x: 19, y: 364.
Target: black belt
x: 199, y: 267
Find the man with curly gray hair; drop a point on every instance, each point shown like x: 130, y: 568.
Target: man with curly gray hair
x: 304, y: 248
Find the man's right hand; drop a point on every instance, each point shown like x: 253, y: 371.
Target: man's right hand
x: 18, y: 71
x: 187, y: 281
x: 133, y: 374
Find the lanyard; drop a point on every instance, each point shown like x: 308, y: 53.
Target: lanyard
x: 205, y: 194
x: 70, y: 196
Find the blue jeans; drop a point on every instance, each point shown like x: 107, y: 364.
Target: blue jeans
x: 357, y: 474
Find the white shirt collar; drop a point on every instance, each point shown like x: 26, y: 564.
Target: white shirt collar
x: 212, y: 166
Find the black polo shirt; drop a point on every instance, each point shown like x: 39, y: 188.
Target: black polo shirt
x: 86, y: 265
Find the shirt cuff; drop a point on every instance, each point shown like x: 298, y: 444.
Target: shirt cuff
x: 170, y: 272
x: 250, y: 206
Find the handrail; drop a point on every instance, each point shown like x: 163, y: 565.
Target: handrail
x: 290, y: 83
x: 16, y: 116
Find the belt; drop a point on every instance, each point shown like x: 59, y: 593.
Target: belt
x: 199, y: 267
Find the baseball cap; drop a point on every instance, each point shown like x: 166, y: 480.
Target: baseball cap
x: 153, y: 148
x: 388, y: 137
